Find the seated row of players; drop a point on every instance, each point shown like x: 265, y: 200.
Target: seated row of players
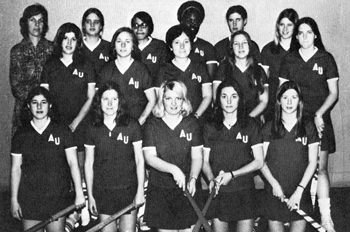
x: 73, y: 92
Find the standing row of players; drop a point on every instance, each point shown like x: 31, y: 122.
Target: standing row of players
x: 71, y: 79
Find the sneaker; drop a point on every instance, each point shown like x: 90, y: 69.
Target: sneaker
x: 328, y: 224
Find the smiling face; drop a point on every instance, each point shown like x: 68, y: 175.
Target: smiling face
x: 172, y: 102
x: 229, y: 100
x: 240, y: 46
x: 39, y: 107
x: 289, y: 102
x: 124, y: 44
x: 36, y: 25
x: 235, y: 22
x: 306, y: 36
x: 181, y: 46
x: 285, y: 28
x: 110, y: 102
x: 141, y: 29
x: 69, y: 43
x: 92, y: 25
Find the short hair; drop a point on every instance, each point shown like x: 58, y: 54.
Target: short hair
x: 135, y: 53
x: 237, y: 9
x: 292, y: 16
x: 218, y: 116
x: 122, y: 117
x: 277, y: 129
x: 29, y: 12
x: 87, y: 13
x: 176, y: 31
x: 313, y: 25
x: 61, y: 32
x: 26, y: 114
x: 180, y: 88
x: 146, y: 18
x: 191, y: 5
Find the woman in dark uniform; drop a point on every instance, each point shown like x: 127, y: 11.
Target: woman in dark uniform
x: 114, y: 165
x: 173, y: 150
x: 44, y: 160
x: 290, y: 147
x: 233, y: 150
x: 315, y: 71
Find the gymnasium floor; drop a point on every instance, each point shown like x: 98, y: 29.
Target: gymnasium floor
x: 340, y: 210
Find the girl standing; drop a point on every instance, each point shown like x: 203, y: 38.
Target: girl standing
x: 290, y: 147
x: 315, y: 71
x: 173, y: 150
x: 232, y: 152
x: 71, y: 80
x: 114, y: 179
x: 191, y: 14
x: 242, y: 67
x: 193, y: 74
x: 44, y: 159
x: 154, y: 52
x: 28, y: 57
x: 130, y: 74
x: 274, y: 52
x: 96, y: 49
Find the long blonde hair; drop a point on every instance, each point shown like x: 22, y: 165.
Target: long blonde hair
x: 181, y: 89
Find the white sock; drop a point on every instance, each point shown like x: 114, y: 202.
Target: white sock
x: 325, y: 207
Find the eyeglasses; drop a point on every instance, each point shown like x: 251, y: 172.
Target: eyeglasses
x: 142, y: 25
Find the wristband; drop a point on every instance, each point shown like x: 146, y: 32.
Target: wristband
x: 301, y: 186
x: 233, y: 176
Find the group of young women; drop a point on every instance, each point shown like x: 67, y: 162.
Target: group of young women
x: 171, y: 105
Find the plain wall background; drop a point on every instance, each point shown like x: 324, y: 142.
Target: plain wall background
x: 332, y: 18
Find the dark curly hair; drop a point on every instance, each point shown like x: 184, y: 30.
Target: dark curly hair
x: 122, y: 118
x: 26, y: 114
x: 29, y: 12
x: 61, y: 32
x: 191, y: 6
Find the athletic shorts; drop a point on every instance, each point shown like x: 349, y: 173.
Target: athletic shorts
x: 168, y: 209
x: 41, y: 208
x: 110, y: 201
x: 278, y: 211
x: 328, y: 138
x: 234, y: 206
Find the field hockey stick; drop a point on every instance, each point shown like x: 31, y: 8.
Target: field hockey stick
x: 198, y: 212
x: 52, y: 218
x: 307, y: 218
x: 111, y: 218
x: 313, y: 188
x: 205, y: 210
